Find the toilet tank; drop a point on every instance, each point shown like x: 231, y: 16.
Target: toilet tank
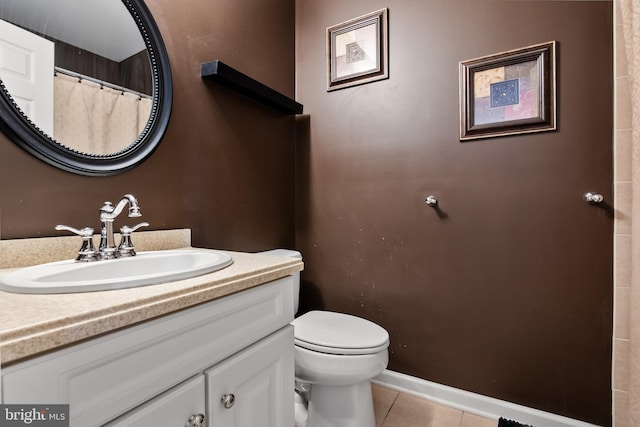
x: 296, y: 276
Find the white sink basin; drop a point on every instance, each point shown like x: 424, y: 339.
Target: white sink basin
x: 146, y: 268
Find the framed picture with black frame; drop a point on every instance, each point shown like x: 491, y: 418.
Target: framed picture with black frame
x: 508, y: 93
x: 358, y: 51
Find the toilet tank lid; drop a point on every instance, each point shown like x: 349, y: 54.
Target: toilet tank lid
x: 339, y: 331
x: 282, y: 252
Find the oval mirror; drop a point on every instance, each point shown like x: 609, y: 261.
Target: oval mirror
x: 85, y: 85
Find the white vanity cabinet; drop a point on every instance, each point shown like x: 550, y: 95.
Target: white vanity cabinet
x: 163, y: 371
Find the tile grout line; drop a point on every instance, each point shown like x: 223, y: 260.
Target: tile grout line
x: 389, y: 410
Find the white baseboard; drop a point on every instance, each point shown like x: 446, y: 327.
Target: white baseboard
x: 474, y: 403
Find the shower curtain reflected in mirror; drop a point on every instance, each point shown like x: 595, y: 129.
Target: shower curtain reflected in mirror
x: 92, y: 118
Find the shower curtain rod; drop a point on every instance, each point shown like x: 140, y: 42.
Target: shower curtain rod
x: 100, y: 82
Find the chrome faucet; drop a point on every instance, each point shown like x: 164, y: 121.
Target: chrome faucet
x: 108, y: 248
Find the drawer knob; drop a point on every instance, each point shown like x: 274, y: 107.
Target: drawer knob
x: 196, y: 420
x: 228, y: 400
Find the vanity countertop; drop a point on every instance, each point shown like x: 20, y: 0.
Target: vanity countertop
x: 33, y: 324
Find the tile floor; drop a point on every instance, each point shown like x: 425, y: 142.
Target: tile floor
x: 396, y: 409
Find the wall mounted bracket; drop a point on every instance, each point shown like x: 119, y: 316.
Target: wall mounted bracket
x: 222, y: 73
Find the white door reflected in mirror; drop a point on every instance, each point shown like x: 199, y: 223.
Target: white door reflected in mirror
x: 95, y: 78
x: 31, y: 86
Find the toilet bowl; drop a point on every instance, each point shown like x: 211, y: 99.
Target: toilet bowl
x: 336, y: 356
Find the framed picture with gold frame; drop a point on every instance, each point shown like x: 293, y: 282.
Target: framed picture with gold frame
x: 508, y: 93
x: 358, y: 51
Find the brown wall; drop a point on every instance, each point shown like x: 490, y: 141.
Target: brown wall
x: 225, y: 167
x: 507, y: 292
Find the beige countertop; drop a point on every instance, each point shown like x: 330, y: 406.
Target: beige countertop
x: 34, y: 324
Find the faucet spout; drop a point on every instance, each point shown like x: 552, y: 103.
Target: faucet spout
x: 108, y: 214
x: 108, y: 211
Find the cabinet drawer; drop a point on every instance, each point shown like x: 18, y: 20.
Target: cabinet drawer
x: 171, y: 409
x: 108, y: 376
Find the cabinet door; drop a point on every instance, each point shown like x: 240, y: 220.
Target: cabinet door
x: 172, y: 408
x: 256, y: 385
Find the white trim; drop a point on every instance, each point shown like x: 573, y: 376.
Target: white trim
x: 473, y: 403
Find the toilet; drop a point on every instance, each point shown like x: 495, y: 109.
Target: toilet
x: 336, y: 356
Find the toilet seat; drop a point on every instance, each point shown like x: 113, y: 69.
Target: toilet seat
x: 338, y: 333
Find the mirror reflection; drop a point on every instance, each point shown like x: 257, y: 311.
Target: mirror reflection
x: 78, y: 69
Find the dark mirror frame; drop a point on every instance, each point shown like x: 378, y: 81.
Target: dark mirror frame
x: 27, y: 135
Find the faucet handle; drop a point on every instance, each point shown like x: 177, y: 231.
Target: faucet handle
x: 125, y: 248
x: 129, y: 230
x: 87, y: 251
x: 87, y: 231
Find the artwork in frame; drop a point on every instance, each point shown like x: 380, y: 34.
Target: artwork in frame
x: 508, y: 93
x: 358, y: 51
